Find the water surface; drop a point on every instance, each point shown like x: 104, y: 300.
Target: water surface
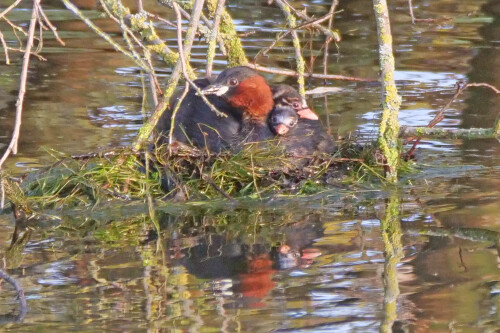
x: 308, y: 264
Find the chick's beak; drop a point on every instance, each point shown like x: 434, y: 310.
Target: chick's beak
x: 215, y: 89
x: 307, y: 114
x: 281, y: 129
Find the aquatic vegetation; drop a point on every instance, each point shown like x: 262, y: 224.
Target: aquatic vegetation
x: 184, y: 173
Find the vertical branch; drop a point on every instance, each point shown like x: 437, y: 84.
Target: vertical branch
x: 213, y: 36
x: 393, y: 253
x: 329, y: 39
x: 148, y: 128
x: 389, y: 125
x: 410, y: 6
x: 6, y: 48
x: 12, y: 148
x: 235, y: 52
x: 301, y: 64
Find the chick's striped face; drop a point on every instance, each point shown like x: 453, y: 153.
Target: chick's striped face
x: 286, y: 96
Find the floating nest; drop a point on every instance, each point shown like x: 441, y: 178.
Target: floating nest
x: 180, y: 173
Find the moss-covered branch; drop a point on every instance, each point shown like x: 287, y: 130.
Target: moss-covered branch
x: 389, y: 125
x: 449, y: 133
x: 301, y: 64
x: 235, y: 53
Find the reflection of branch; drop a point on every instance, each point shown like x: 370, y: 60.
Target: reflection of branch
x: 393, y: 252
x: 12, y: 148
x: 20, y: 292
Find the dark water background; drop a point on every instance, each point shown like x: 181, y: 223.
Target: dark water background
x: 308, y: 264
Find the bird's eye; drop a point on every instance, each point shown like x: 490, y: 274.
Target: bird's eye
x: 233, y: 82
x: 296, y: 105
x: 274, y: 119
x: 292, y: 123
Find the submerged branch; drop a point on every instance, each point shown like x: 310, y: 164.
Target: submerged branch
x: 20, y: 294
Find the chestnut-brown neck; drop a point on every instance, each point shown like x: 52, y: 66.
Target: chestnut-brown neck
x: 254, y: 96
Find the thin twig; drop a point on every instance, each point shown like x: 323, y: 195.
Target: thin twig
x: 213, y: 36
x: 8, y: 9
x: 12, y: 148
x: 292, y: 23
x: 182, y: 62
x: 211, y: 182
x: 23, y: 305
x: 303, y: 16
x: 461, y: 87
x: 187, y: 49
x: 155, y: 85
x: 410, y: 6
x: 174, y: 114
x: 161, y: 19
x: 51, y: 26
x: 308, y: 75
x: 6, y: 48
x: 41, y: 58
x: 101, y: 33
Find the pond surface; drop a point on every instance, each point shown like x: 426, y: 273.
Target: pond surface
x: 329, y: 262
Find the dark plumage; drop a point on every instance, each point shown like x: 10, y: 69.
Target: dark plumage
x: 304, y: 136
x: 196, y: 124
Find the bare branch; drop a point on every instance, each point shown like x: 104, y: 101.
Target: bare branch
x: 213, y: 36
x: 292, y: 23
x: 461, y: 87
x: 5, y: 47
x: 50, y: 25
x: 12, y: 148
x: 8, y: 9
x: 308, y: 75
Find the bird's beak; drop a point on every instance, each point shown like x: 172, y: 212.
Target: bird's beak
x: 215, y: 89
x: 307, y: 114
x: 281, y: 129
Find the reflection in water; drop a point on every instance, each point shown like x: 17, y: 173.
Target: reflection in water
x: 393, y: 253
x: 327, y: 264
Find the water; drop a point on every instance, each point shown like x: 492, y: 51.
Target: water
x: 307, y: 264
